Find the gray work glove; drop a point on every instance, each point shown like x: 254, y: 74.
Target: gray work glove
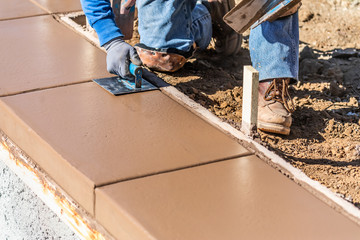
x: 119, y: 55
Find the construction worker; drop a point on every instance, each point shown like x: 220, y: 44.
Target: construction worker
x: 170, y: 30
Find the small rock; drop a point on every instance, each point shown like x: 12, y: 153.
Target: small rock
x: 195, y: 90
x: 238, y: 99
x: 349, y: 198
x: 353, y: 102
x: 307, y: 53
x: 352, y: 75
x: 335, y: 73
x: 334, y: 151
x: 336, y: 90
x: 224, y: 104
x: 347, y: 149
x: 331, y: 124
x: 238, y: 114
x: 348, y: 131
x: 357, y: 151
x: 310, y: 66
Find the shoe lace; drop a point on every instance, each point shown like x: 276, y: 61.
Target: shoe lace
x: 278, y: 91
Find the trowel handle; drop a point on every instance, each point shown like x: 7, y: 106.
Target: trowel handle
x: 135, y: 69
x: 137, y: 72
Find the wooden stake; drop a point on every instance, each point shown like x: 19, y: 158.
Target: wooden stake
x: 250, y: 100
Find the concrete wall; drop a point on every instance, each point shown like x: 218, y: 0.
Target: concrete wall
x: 23, y: 215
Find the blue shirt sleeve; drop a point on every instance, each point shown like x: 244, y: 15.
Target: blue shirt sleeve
x: 101, y: 18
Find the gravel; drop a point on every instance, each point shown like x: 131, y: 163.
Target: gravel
x: 23, y: 215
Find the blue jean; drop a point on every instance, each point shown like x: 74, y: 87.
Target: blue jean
x: 173, y: 24
x: 274, y: 48
x: 177, y: 24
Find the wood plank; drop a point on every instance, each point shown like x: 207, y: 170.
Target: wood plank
x: 247, y: 12
x: 250, y: 100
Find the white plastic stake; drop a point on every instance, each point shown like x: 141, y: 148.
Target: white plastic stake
x: 250, y: 100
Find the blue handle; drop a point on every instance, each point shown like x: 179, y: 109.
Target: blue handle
x: 135, y: 69
x: 137, y: 72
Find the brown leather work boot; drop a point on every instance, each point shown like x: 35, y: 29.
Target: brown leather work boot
x: 275, y: 106
x: 227, y: 41
x: 162, y: 61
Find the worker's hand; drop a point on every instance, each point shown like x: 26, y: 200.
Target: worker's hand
x: 119, y: 55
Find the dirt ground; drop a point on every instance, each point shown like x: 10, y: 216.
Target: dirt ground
x: 325, y: 135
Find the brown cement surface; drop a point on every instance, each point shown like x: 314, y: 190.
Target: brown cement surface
x: 84, y: 137
x: 18, y: 8
x: 57, y: 6
x: 39, y: 52
x: 242, y: 198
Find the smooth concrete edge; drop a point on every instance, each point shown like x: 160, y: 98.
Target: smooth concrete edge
x: 320, y: 191
x: 314, y: 187
x: 17, y: 130
x: 66, y: 208
x: 130, y: 227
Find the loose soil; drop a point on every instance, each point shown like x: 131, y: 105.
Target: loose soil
x: 325, y: 135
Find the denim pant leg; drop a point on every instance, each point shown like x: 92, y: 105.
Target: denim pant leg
x: 201, y: 28
x: 173, y: 24
x: 274, y: 48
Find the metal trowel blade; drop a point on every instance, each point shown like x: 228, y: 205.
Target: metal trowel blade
x: 118, y: 86
x: 276, y: 12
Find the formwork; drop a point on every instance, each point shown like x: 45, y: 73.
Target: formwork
x: 150, y: 165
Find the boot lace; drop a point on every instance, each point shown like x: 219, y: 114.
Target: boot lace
x: 278, y: 91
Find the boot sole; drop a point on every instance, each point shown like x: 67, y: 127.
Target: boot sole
x: 273, y: 128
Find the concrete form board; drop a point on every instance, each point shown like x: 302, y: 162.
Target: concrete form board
x: 38, y: 52
x: 59, y: 6
x: 84, y: 137
x: 242, y: 198
x: 18, y: 8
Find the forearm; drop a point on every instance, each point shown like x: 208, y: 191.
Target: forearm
x: 101, y: 18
